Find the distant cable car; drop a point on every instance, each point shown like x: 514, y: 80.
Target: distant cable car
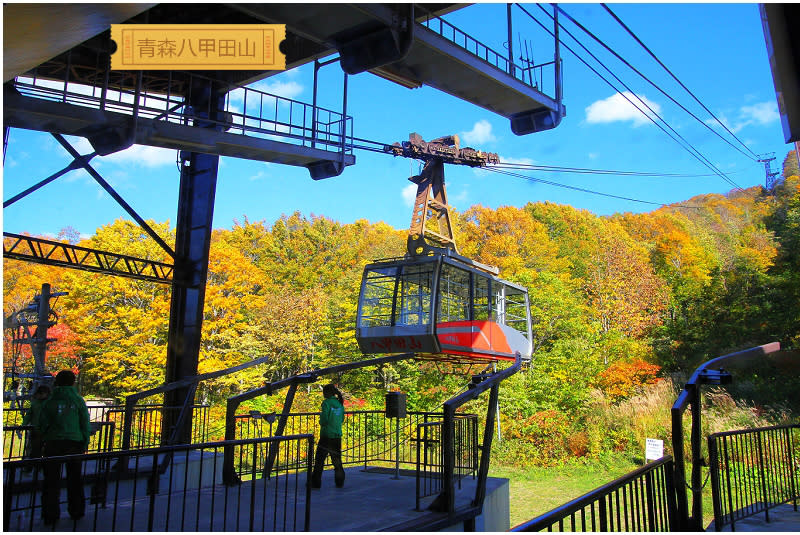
x: 435, y: 302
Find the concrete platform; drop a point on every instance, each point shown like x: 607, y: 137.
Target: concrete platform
x: 371, y: 500
x: 782, y: 519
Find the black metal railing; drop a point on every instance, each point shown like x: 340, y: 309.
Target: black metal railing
x: 709, y: 373
x: 430, y: 463
x: 368, y: 437
x: 145, y: 427
x: 643, y: 500
x: 247, y: 110
x: 146, y: 424
x: 97, y: 413
x: 185, y: 495
x: 532, y: 75
x: 753, y: 470
x: 17, y: 440
x: 430, y: 455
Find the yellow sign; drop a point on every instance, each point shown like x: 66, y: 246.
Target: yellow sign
x: 198, y: 46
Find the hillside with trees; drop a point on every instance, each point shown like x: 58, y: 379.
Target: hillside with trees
x: 621, y: 306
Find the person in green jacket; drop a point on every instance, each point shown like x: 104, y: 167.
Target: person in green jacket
x: 31, y: 418
x: 64, y: 424
x: 330, y: 437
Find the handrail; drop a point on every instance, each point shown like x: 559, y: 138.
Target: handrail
x: 133, y: 500
x: 130, y: 401
x: 446, y: 500
x: 597, y: 496
x: 690, y: 396
x: 752, y: 471
x: 292, y: 383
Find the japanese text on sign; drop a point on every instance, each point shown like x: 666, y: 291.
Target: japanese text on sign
x: 198, y: 46
x: 654, y: 449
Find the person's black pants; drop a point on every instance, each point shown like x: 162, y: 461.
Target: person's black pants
x: 51, y: 492
x: 333, y: 447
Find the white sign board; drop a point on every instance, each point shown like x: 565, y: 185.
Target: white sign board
x: 654, y: 449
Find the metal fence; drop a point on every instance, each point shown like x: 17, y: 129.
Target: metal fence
x: 186, y: 494
x: 531, y: 75
x: 753, y: 470
x: 146, y: 428
x: 430, y: 455
x: 368, y: 437
x: 643, y: 500
x: 17, y: 440
x: 248, y: 111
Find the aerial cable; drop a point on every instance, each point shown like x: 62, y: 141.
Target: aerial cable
x: 699, y: 155
x: 634, y: 69
x: 581, y: 170
x: 584, y: 190
x: 684, y: 143
x: 377, y: 146
x: 611, y: 84
x: 755, y: 157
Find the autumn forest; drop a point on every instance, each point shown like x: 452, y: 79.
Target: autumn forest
x: 623, y: 306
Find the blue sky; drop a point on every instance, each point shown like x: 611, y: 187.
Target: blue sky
x: 716, y: 50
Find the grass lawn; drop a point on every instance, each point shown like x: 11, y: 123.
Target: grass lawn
x: 536, y: 490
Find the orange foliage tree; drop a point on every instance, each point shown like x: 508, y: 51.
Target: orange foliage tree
x: 622, y: 378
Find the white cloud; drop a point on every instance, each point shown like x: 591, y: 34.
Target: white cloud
x: 290, y: 89
x: 592, y: 155
x: 256, y: 100
x: 618, y: 108
x: 480, y: 133
x: 762, y: 113
x: 461, y: 197
x: 758, y: 114
x: 522, y: 161
x: 409, y: 194
x: 80, y: 144
x: 142, y: 156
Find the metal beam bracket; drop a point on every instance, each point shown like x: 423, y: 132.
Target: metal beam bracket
x: 384, y: 45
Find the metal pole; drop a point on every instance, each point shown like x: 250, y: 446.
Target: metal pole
x: 797, y: 154
x: 314, y: 106
x: 557, y: 57
x: 497, y: 416
x: 344, y: 116
x: 697, y: 476
x: 397, y: 448
x: 510, y: 42
x: 680, y: 470
x: 40, y: 346
x: 197, y: 190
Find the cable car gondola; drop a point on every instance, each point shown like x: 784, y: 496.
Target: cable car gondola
x: 433, y: 301
x: 440, y: 304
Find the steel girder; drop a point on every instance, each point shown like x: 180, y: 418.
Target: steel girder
x: 198, y: 186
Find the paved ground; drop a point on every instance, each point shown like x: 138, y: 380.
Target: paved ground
x: 783, y: 518
x: 373, y: 500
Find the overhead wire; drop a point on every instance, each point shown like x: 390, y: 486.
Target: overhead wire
x: 684, y: 144
x: 656, y: 86
x: 378, y: 147
x: 584, y: 190
x: 694, y: 151
x: 755, y: 156
x: 581, y: 170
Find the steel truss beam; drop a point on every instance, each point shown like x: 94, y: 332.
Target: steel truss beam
x: 53, y: 253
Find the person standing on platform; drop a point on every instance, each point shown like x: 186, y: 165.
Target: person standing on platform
x: 31, y: 418
x: 64, y: 424
x: 330, y: 439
